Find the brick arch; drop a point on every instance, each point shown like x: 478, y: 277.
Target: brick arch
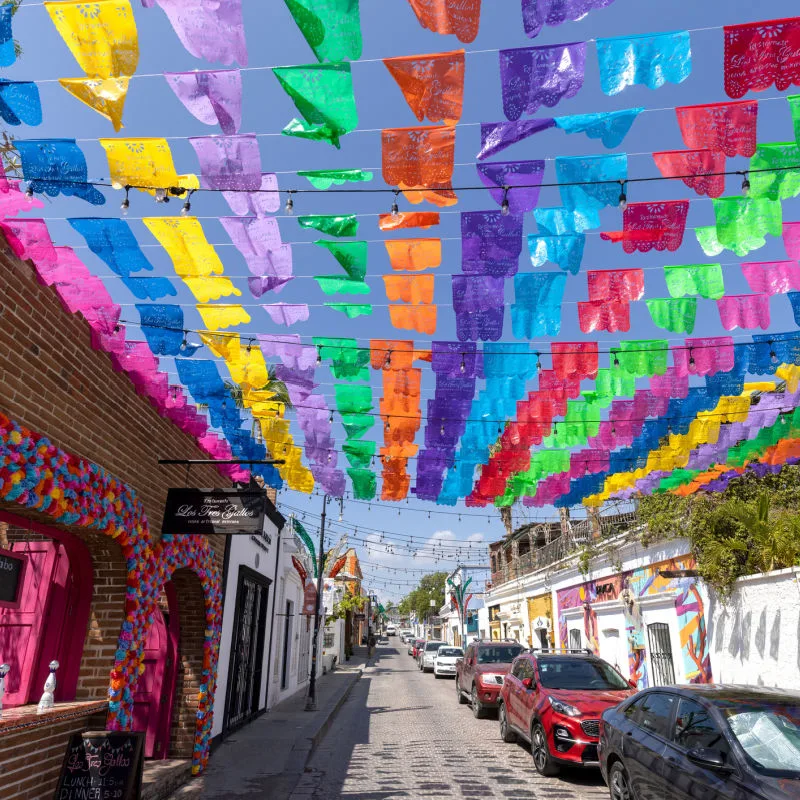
x: 72, y: 491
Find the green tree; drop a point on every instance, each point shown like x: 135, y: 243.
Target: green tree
x: 431, y: 587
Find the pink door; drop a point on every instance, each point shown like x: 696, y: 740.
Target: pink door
x: 152, y: 699
x: 21, y: 629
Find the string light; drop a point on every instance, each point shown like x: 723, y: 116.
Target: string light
x: 330, y: 418
x: 161, y: 195
x: 538, y: 362
x: 187, y: 206
x: 395, y: 208
x: 623, y: 197
x: 289, y: 207
x: 691, y: 356
x: 745, y: 184
x: 29, y: 191
x: 505, y: 208
x: 463, y: 364
x: 126, y: 203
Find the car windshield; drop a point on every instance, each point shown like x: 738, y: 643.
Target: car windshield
x: 769, y: 735
x: 457, y: 652
x: 579, y: 673
x: 432, y: 646
x: 500, y: 654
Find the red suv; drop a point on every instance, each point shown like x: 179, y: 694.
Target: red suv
x: 480, y: 674
x: 554, y: 699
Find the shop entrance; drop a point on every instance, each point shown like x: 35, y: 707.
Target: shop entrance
x: 155, y: 689
x: 247, y: 649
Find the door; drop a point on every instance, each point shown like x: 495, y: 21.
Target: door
x: 662, y: 666
x: 22, y: 629
x: 247, y: 649
x: 645, y: 743
x: 287, y: 642
x: 303, y: 666
x: 513, y: 694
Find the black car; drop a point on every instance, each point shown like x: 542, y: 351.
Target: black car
x: 704, y: 743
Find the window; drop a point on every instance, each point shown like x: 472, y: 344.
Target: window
x: 769, y: 733
x: 579, y: 673
x: 330, y: 639
x: 575, y: 639
x: 499, y: 654
x: 663, y: 667
x: 631, y: 711
x: 518, y: 670
x: 695, y: 727
x: 654, y: 713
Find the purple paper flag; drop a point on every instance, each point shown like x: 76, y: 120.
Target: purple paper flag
x: 491, y: 243
x: 536, y: 76
x: 259, y: 241
x: 208, y: 29
x: 478, y: 302
x: 496, y: 136
x: 287, y: 313
x: 266, y: 200
x: 527, y: 175
x: 212, y: 96
x: 228, y: 162
x: 260, y: 286
x: 538, y: 13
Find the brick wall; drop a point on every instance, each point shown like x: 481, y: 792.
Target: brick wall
x: 31, y: 758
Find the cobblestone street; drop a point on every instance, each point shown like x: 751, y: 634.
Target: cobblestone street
x: 402, y: 734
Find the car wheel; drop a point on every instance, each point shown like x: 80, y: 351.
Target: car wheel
x: 619, y: 783
x: 460, y: 694
x: 436, y: 675
x: 478, y: 711
x: 506, y: 734
x: 542, y: 759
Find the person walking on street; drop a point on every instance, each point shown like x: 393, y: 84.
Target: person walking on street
x: 371, y: 644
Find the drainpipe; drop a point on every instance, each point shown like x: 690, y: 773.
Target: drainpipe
x: 274, y: 612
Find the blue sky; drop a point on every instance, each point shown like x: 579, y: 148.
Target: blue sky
x: 391, y: 29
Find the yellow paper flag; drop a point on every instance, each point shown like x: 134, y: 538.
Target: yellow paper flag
x: 104, y: 95
x: 222, y: 316
x: 144, y: 162
x: 183, y: 239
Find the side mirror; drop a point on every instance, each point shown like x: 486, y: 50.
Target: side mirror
x: 709, y: 758
x: 527, y: 683
x: 459, y: 659
x: 633, y: 685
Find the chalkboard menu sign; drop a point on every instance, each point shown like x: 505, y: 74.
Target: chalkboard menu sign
x: 206, y: 511
x: 102, y: 765
x: 12, y: 568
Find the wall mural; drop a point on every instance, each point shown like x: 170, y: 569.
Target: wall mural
x: 41, y: 477
x: 635, y: 584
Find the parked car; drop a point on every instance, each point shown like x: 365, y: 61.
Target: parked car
x: 406, y: 635
x: 428, y: 653
x: 416, y: 644
x: 710, y: 742
x: 445, y: 661
x: 480, y: 675
x: 553, y: 699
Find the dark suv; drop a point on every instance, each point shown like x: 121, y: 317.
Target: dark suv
x: 553, y: 699
x: 480, y: 675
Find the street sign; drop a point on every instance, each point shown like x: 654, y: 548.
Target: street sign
x: 207, y: 511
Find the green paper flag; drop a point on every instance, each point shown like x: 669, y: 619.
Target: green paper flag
x: 364, y: 483
x: 356, y: 425
x: 323, y: 94
x: 643, y: 357
x: 707, y: 239
x: 743, y: 222
x: 695, y: 279
x: 331, y: 224
x: 352, y: 310
x: 581, y: 421
x: 303, y: 534
x: 348, y: 360
x: 336, y: 284
x: 352, y: 256
x: 353, y: 399
x: 543, y: 463
x: 779, y: 185
x: 332, y: 28
x: 613, y: 383
x: 794, y: 107
x: 359, y: 453
x: 325, y: 178
x: 673, y: 314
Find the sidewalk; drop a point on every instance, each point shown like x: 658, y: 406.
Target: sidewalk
x: 266, y: 758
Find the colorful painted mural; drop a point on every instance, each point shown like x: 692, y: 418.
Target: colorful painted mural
x: 629, y: 588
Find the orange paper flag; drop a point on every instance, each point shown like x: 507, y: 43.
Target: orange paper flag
x: 414, y: 255
x: 433, y: 85
x: 414, y: 318
x: 408, y: 219
x: 414, y: 289
x: 461, y: 17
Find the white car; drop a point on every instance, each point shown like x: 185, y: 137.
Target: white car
x: 445, y: 661
x: 428, y: 654
x: 391, y: 630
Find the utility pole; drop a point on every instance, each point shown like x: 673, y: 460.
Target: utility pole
x: 311, y: 699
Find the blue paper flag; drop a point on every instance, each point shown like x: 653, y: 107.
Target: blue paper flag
x: 57, y: 166
x: 19, y: 102
x: 558, y: 220
x: 8, y: 53
x: 588, y: 183
x: 650, y: 60
x: 162, y: 326
x: 566, y: 250
x: 113, y: 241
x: 150, y: 288
x: 537, y: 310
x: 610, y: 127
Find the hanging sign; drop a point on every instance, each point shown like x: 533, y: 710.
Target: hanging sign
x: 310, y: 599
x: 207, y: 511
x: 12, y: 570
x: 103, y: 765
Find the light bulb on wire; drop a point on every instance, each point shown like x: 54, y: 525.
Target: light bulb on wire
x: 289, y: 207
x: 505, y: 208
x: 623, y: 197
x: 395, y: 207
x: 126, y: 203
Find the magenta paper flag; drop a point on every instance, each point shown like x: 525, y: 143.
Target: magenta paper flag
x: 29, y: 239
x: 228, y: 162
x: 704, y: 356
x: 213, y: 96
x: 744, y: 311
x: 266, y: 200
x: 671, y: 384
x: 12, y: 200
x: 651, y: 226
x: 208, y: 29
x: 522, y: 179
x: 791, y: 239
x: 287, y: 313
x: 772, y: 277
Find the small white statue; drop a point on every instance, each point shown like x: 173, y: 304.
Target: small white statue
x: 4, y: 670
x: 48, y: 700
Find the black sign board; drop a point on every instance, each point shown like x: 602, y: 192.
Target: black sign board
x: 102, y: 765
x: 12, y: 568
x: 206, y: 511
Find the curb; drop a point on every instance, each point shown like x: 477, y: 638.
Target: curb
x: 328, y: 721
